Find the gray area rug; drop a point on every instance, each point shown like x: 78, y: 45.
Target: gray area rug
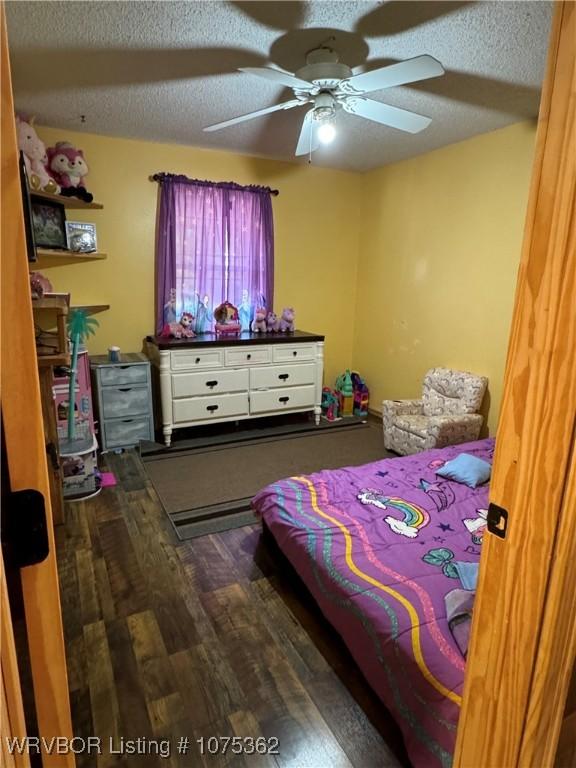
x: 208, y: 488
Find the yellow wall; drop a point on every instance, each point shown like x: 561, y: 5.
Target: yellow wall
x: 403, y: 268
x: 316, y: 220
x: 440, y: 244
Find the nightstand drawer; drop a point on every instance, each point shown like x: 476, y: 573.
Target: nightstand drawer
x: 189, y: 359
x: 275, y: 400
x: 210, y: 408
x: 248, y: 356
x: 124, y: 432
x: 284, y: 353
x: 115, y: 375
x: 282, y: 376
x: 209, y: 383
x: 124, y: 401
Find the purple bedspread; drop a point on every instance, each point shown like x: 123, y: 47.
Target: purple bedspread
x: 375, y: 545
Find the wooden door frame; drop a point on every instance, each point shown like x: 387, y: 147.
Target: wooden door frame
x: 524, y: 628
x: 24, y: 435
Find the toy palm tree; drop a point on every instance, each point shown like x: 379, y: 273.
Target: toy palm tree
x: 80, y: 326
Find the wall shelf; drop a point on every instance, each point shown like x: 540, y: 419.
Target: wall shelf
x: 48, y: 257
x: 67, y: 202
x: 91, y: 309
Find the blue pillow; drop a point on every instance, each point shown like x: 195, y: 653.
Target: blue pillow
x: 466, y: 469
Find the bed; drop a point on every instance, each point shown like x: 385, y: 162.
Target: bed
x: 376, y: 545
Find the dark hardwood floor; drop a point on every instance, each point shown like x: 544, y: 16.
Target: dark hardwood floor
x: 209, y: 637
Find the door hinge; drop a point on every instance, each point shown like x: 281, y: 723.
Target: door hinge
x: 26, y: 528
x: 497, y: 520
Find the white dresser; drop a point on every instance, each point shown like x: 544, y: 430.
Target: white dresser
x: 215, y: 379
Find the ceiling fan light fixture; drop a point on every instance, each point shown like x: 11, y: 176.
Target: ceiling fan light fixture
x: 326, y: 132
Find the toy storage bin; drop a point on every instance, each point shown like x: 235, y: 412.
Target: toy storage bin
x: 79, y: 463
x: 82, y: 394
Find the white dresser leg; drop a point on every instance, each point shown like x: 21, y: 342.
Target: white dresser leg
x: 317, y: 414
x: 167, y: 432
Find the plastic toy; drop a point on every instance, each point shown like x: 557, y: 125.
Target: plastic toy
x: 361, y: 395
x: 226, y: 316
x: 345, y: 391
x: 330, y: 404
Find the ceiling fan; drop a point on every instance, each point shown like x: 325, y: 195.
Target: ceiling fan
x: 328, y: 86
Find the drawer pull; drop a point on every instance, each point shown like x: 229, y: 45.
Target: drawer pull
x: 197, y: 359
x: 295, y: 353
x: 123, y: 367
x: 125, y: 389
x: 127, y: 421
x: 283, y: 399
x: 283, y: 376
x: 211, y: 384
x: 248, y: 357
x: 211, y: 408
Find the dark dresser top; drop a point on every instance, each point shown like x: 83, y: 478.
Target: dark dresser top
x: 233, y: 340
x: 126, y: 358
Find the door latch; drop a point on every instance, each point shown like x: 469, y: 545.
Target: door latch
x: 497, y: 520
x: 26, y: 528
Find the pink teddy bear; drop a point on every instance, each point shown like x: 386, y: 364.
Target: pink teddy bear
x: 272, y: 323
x: 287, y: 320
x: 259, y: 322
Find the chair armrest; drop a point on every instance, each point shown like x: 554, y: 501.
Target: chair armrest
x: 455, y: 428
x: 401, y: 408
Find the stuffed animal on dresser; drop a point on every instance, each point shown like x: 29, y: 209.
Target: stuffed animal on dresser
x: 287, y: 320
x: 272, y: 323
x: 180, y: 330
x: 35, y: 157
x: 259, y: 322
x: 69, y: 167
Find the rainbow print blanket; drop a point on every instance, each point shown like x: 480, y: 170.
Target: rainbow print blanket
x: 376, y: 546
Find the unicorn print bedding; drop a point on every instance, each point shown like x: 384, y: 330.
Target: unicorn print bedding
x: 376, y: 546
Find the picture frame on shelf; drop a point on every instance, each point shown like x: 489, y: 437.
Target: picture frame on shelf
x: 81, y: 236
x: 49, y: 224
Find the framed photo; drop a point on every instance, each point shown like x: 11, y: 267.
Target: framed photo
x: 81, y: 236
x: 49, y: 224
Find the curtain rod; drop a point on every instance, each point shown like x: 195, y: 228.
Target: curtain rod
x: 161, y: 178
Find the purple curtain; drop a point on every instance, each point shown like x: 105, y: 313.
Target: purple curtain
x: 215, y: 242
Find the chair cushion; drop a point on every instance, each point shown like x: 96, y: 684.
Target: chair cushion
x: 448, y: 392
x: 466, y: 469
x: 417, y: 425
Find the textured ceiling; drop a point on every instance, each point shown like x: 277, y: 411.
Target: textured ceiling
x: 163, y: 70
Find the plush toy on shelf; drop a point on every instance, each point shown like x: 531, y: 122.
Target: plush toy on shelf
x: 272, y: 323
x: 35, y: 157
x: 180, y: 330
x: 259, y: 322
x: 287, y: 320
x: 69, y: 167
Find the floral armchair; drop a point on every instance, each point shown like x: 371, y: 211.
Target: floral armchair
x: 447, y: 413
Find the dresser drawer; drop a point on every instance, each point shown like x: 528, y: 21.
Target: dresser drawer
x: 115, y: 375
x: 124, y: 401
x: 126, y: 431
x: 190, y: 359
x: 207, y: 408
x: 274, y: 400
x: 209, y: 383
x: 248, y: 356
x: 282, y: 376
x: 283, y: 353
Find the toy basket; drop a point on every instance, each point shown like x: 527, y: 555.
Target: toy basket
x: 79, y: 463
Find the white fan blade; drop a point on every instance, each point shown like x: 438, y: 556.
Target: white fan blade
x: 279, y: 76
x: 410, y: 71
x: 385, y: 114
x: 308, y: 141
x: 252, y: 115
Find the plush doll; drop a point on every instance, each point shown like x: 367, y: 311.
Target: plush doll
x: 39, y: 285
x: 272, y: 323
x: 35, y: 158
x: 180, y: 330
x: 287, y: 320
x: 259, y: 322
x: 69, y: 168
